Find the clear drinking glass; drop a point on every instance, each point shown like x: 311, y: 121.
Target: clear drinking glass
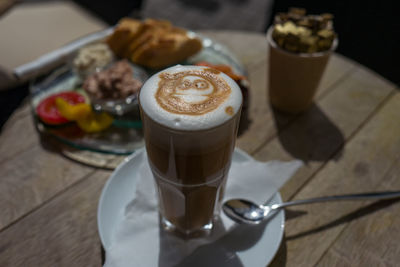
x: 190, y: 166
x: 190, y: 170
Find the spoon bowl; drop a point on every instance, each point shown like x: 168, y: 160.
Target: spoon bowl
x: 245, y: 211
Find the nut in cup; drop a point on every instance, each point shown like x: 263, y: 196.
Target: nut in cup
x: 294, y: 77
x: 190, y: 119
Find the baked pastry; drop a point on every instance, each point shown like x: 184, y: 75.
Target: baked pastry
x: 125, y: 32
x: 152, y: 43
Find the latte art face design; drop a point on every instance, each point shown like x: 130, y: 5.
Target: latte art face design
x: 190, y: 98
x: 192, y: 92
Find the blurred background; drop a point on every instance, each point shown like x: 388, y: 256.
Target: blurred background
x: 368, y: 30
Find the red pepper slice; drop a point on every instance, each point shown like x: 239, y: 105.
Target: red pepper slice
x: 47, y: 109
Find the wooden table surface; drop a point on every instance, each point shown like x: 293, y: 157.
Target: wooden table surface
x: 349, y: 141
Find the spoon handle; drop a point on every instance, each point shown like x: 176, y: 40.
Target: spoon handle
x: 363, y: 196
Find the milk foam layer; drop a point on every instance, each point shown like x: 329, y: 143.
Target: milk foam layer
x: 190, y: 97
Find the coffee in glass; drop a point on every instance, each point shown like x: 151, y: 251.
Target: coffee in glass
x: 190, y: 118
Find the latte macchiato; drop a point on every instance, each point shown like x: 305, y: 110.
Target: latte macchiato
x: 190, y: 118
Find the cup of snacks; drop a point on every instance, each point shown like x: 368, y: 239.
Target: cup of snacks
x: 299, y: 49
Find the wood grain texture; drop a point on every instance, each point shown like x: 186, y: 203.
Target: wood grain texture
x: 94, y: 159
x: 18, y: 133
x: 366, y: 159
x: 349, y: 141
x: 321, y: 132
x: 252, y: 51
x: 250, y: 48
x: 371, y: 240
x: 337, y: 69
x: 33, y: 178
x: 60, y: 233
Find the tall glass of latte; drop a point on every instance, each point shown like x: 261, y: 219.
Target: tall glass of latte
x: 190, y: 118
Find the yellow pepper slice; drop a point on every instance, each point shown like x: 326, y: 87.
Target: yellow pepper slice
x: 72, y: 112
x: 95, y: 122
x: 82, y: 113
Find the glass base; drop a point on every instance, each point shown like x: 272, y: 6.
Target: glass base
x: 201, y: 232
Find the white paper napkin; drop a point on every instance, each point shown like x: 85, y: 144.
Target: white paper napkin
x: 139, y: 240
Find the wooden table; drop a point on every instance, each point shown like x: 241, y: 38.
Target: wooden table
x: 349, y: 141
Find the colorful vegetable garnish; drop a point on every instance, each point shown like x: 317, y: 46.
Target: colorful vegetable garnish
x: 47, y: 109
x: 95, y: 122
x: 71, y: 106
x: 72, y: 112
x: 84, y: 116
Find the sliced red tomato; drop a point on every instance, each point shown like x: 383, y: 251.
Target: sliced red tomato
x: 47, y: 109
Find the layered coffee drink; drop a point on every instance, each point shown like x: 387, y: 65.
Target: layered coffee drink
x: 190, y: 118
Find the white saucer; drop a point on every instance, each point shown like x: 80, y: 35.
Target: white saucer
x: 118, y: 192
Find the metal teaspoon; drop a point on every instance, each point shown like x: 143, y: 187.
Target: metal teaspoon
x: 245, y: 211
